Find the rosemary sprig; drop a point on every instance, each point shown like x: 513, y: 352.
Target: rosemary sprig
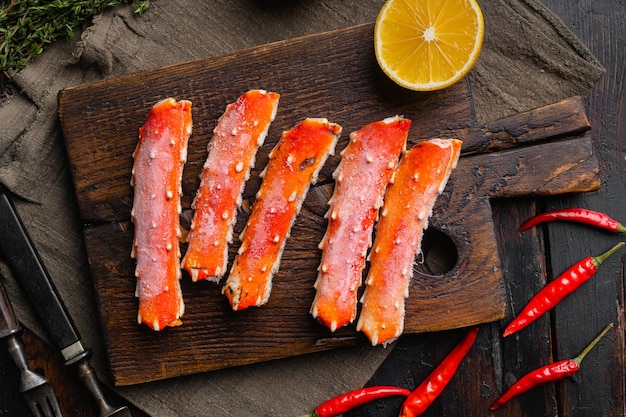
x: 27, y: 27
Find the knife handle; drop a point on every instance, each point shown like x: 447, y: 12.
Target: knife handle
x: 20, y: 254
x: 8, y: 320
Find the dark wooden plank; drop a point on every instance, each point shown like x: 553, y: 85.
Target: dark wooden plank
x: 564, y: 118
x: 527, y: 274
x: 598, y: 389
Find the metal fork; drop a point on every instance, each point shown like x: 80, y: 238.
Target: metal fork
x: 35, y: 389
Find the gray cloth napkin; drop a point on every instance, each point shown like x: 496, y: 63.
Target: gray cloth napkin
x: 529, y: 59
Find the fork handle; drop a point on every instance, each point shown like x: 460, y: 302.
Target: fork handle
x: 8, y: 320
x: 88, y: 376
x: 16, y: 351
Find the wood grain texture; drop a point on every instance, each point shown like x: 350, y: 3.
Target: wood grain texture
x: 336, y: 78
x: 599, y: 388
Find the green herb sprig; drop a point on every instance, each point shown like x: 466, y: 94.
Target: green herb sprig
x: 27, y: 27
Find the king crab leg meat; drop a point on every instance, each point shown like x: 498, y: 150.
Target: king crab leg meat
x: 367, y: 164
x: 159, y: 158
x: 231, y: 153
x: 293, y: 165
x: 419, y: 179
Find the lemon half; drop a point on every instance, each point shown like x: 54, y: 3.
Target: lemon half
x: 428, y: 45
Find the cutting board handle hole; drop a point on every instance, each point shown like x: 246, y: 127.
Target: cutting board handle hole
x: 439, y: 253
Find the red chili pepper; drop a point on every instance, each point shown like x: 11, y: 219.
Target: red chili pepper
x: 345, y: 402
x: 558, y: 289
x: 549, y: 373
x: 424, y: 395
x: 579, y: 215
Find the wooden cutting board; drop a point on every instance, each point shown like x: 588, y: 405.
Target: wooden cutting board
x: 333, y: 75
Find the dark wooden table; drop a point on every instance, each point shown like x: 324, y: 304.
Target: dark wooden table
x: 528, y: 260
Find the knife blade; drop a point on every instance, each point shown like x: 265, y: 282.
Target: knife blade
x: 19, y: 252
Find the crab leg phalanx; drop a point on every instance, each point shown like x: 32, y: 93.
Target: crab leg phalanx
x: 293, y: 165
x: 159, y: 158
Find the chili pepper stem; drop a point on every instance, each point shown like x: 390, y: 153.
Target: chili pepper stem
x: 578, y: 359
x: 597, y: 260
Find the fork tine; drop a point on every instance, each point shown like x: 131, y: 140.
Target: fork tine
x: 42, y: 401
x: 34, y: 406
x: 35, y: 409
x: 54, y: 406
